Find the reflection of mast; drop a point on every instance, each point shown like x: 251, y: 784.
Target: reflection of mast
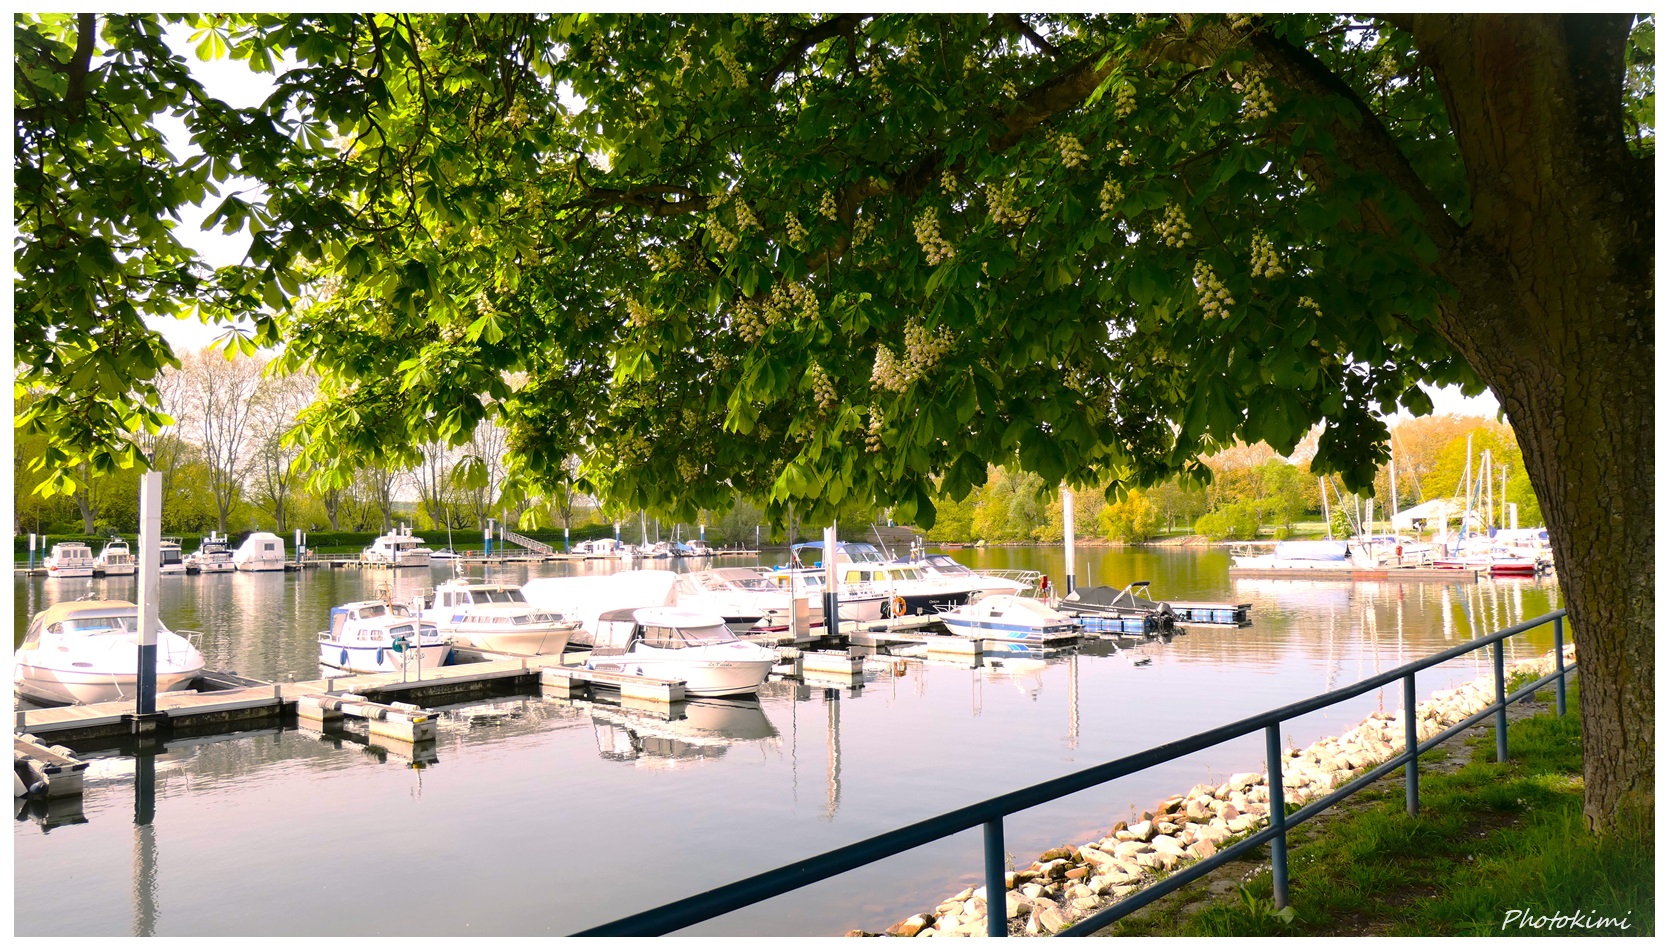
x: 832, y: 697
x: 1075, y: 705
x: 144, y: 845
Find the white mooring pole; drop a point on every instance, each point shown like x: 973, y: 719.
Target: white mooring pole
x: 1069, y: 540
x: 150, y: 564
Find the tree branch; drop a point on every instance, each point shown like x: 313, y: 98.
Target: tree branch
x: 86, y: 36
x: 843, y: 24
x: 1017, y: 24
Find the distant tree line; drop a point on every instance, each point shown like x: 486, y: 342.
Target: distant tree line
x: 1252, y: 492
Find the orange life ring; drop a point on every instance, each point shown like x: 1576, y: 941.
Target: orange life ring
x: 899, y: 606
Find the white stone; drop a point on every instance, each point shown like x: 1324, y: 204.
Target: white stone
x: 1169, y: 844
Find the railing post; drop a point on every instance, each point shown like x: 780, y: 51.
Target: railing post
x: 1501, y: 718
x: 995, y: 877
x: 1411, y: 743
x: 1275, y: 817
x: 1561, y: 674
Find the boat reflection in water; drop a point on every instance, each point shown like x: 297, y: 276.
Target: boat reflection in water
x: 700, y: 730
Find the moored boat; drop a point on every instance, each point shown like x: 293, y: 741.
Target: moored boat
x: 369, y: 637
x: 170, y: 556
x: 668, y: 644
x: 213, y: 556
x: 397, y: 549
x: 115, y: 558
x: 261, y: 551
x: 1007, y: 616
x: 69, y: 560
x: 497, y: 617
x: 88, y: 652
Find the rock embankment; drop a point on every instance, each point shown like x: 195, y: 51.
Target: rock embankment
x: 1070, y: 882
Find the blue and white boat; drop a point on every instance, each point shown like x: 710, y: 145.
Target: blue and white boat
x: 372, y: 637
x: 1009, y: 617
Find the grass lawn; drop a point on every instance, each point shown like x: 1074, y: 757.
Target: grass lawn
x: 1490, y: 839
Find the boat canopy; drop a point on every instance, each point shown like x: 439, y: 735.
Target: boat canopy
x: 1311, y: 551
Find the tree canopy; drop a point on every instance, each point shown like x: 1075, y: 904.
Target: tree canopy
x: 843, y: 259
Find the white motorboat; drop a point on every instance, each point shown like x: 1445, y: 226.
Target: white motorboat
x: 598, y: 548
x: 370, y: 637
x: 397, y: 549
x: 857, y: 601
x: 170, y: 556
x: 212, y: 556
x: 943, y: 567
x: 445, y: 554
x: 497, y: 617
x: 587, y: 597
x: 115, y: 558
x: 909, y: 592
x: 743, y: 597
x: 69, y: 560
x: 261, y: 551
x: 88, y: 652
x: 696, y: 648
x: 1007, y: 616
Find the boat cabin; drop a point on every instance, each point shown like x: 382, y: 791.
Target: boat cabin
x: 451, y: 596
x: 371, y: 620
x: 618, y: 631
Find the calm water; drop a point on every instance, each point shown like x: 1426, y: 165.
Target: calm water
x: 541, y: 817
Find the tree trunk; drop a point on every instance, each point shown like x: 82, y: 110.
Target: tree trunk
x: 1555, y: 311
x: 89, y: 514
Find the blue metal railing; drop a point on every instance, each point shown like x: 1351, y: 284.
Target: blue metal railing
x: 990, y: 813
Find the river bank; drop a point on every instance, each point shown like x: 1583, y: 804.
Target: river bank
x: 1068, y: 883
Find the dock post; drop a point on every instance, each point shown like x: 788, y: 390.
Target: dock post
x: 1501, y: 720
x: 1275, y: 818
x: 150, y: 563
x: 830, y: 547
x: 31, y: 552
x: 1069, y: 501
x: 1561, y: 674
x: 1411, y: 743
x: 995, y: 877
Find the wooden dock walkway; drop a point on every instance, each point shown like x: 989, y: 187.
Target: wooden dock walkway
x: 242, y: 706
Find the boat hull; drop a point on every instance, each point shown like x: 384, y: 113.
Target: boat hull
x: 701, y: 678
x: 55, y: 572
x: 59, y: 687
x: 980, y: 627
x: 523, y: 642
x: 112, y: 570
x: 373, y: 659
x: 927, y: 603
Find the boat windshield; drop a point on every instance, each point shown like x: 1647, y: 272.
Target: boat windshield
x: 371, y: 610
x: 948, y: 566
x: 114, y: 625
x: 489, y: 596
x: 674, y: 638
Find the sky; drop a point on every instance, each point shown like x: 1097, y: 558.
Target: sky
x: 232, y: 81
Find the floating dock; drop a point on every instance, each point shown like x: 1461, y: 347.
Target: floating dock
x: 1358, y: 574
